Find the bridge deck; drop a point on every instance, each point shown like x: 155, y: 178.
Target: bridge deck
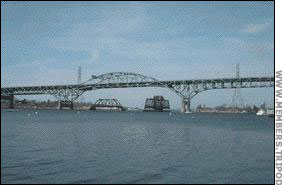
x: 29, y: 90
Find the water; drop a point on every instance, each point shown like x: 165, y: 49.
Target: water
x: 135, y: 147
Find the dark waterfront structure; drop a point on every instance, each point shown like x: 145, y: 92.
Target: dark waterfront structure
x: 10, y: 99
x: 107, y: 105
x: 157, y: 103
x: 65, y: 105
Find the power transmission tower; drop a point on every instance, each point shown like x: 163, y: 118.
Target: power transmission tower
x: 237, y: 101
x: 81, y: 98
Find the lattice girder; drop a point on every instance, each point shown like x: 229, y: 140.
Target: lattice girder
x: 187, y: 89
x: 183, y: 88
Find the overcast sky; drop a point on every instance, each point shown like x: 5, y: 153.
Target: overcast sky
x: 43, y: 43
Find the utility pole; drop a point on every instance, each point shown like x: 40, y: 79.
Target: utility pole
x: 79, y: 81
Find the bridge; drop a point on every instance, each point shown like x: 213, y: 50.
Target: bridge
x: 107, y: 104
x: 186, y: 89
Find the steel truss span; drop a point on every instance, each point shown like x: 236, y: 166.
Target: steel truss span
x: 108, y: 103
x: 186, y: 89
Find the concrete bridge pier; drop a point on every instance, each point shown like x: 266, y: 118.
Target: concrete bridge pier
x: 65, y: 104
x: 9, y: 98
x: 11, y: 103
x: 186, y: 104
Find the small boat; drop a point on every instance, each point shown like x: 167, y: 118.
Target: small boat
x: 261, y: 112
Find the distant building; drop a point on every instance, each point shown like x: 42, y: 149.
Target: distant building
x: 205, y: 109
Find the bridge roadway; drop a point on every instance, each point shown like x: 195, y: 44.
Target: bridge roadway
x: 186, y: 89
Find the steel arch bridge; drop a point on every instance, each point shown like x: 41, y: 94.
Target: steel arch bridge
x: 186, y: 89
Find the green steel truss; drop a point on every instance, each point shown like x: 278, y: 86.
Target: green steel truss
x: 186, y: 89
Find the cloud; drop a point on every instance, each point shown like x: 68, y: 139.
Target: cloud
x: 256, y: 28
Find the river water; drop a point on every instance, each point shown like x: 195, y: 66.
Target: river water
x: 135, y: 147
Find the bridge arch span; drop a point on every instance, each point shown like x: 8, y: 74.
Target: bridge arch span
x: 120, y: 77
x: 129, y: 78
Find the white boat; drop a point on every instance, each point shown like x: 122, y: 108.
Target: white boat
x: 261, y: 112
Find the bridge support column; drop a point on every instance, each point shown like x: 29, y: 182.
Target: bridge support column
x: 9, y: 98
x: 11, y: 103
x: 65, y: 104
x: 186, y: 104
